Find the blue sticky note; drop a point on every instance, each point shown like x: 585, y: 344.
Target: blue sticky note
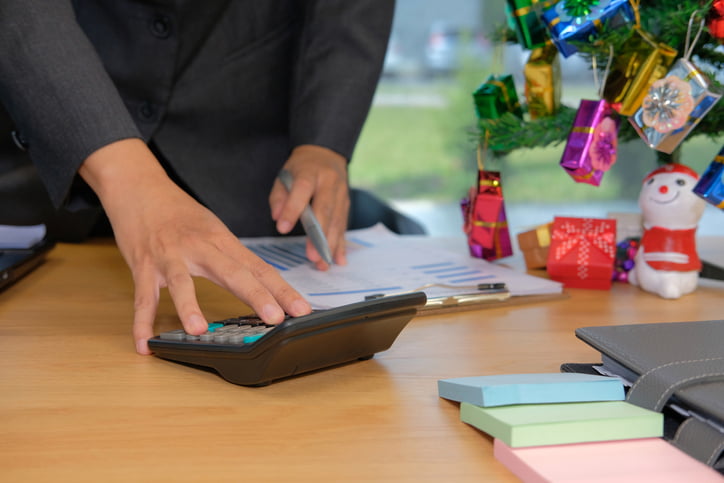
x: 506, y: 389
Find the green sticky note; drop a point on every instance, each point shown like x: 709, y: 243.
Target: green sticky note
x: 564, y: 423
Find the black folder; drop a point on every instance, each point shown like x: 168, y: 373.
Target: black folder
x: 676, y: 368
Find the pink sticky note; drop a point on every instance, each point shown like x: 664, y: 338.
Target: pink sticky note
x: 634, y: 460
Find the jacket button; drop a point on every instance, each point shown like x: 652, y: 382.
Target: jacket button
x: 160, y: 26
x: 19, y: 140
x: 147, y: 111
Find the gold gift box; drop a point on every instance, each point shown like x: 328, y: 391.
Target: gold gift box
x: 543, y: 82
x: 641, y: 62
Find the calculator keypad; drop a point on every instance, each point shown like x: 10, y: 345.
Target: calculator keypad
x: 236, y: 331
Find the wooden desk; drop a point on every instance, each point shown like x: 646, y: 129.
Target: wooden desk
x: 78, y: 404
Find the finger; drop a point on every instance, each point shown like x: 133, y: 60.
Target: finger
x: 337, y: 229
x: 291, y: 300
x: 258, y: 284
x: 183, y: 293
x: 297, y: 200
x: 255, y: 282
x: 145, y: 306
x: 277, y: 197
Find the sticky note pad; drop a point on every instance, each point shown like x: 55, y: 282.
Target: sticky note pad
x: 634, y: 461
x: 563, y: 423
x: 505, y: 389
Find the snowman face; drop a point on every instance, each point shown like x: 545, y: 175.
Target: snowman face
x: 667, y: 200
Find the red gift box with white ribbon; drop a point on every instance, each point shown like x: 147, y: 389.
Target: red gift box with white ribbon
x: 582, y: 252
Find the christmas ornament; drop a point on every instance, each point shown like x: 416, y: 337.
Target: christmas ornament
x: 543, y: 82
x: 674, y: 105
x: 582, y: 20
x: 624, y: 262
x: 485, y: 221
x: 711, y: 184
x: 524, y: 19
x: 497, y: 96
x: 666, y: 262
x: 592, y: 143
x: 641, y: 61
x: 715, y: 20
x: 582, y: 252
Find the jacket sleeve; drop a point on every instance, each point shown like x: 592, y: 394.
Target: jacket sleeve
x: 54, y: 87
x: 341, y: 52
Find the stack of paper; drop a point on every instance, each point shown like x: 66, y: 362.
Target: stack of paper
x: 543, y: 424
x: 629, y: 461
x: 507, y: 389
x: 562, y: 426
x: 380, y: 262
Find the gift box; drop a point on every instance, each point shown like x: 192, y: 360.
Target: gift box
x: 543, y: 82
x: 592, y: 144
x: 535, y: 244
x: 496, y: 96
x: 673, y: 106
x: 524, y: 19
x: 582, y: 252
x: 581, y: 21
x: 486, y: 223
x: 641, y: 61
x: 710, y: 186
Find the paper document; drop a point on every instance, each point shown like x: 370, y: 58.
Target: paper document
x: 382, y: 262
x: 20, y: 236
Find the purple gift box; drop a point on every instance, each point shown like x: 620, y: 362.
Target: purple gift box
x: 592, y: 143
x: 710, y: 186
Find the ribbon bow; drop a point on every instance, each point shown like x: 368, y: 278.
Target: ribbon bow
x: 570, y: 235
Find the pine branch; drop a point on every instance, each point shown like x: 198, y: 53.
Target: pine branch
x: 668, y: 21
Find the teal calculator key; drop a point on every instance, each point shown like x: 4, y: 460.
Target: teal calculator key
x: 253, y: 338
x: 214, y: 325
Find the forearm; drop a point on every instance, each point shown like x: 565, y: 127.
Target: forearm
x: 121, y: 168
x: 56, y: 90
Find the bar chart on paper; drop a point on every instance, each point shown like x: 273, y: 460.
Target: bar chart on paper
x: 383, y: 263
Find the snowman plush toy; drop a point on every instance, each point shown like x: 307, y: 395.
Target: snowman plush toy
x: 667, y: 263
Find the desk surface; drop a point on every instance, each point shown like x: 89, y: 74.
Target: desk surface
x: 78, y: 404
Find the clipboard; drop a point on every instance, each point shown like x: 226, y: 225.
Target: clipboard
x: 486, y: 296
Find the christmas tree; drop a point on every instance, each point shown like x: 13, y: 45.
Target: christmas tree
x: 670, y: 23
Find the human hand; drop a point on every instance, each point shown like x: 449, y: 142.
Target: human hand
x: 320, y: 175
x: 167, y: 237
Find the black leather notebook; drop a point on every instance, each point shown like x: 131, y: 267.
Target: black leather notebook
x: 672, y: 367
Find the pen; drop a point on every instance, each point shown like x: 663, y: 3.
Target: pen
x: 310, y: 223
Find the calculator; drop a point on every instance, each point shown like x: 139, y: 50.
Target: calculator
x: 248, y: 352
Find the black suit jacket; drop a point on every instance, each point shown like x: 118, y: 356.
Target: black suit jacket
x: 221, y: 90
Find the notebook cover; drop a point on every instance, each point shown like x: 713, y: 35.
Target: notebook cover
x: 642, y: 348
x: 507, y: 389
x: 635, y: 461
x: 563, y: 423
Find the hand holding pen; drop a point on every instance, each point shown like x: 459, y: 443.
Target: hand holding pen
x: 318, y: 197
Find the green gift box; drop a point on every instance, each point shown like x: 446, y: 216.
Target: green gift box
x: 524, y: 19
x: 496, y: 96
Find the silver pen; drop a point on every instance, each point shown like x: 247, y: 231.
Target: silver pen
x: 310, y: 223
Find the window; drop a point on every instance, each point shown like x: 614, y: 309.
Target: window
x: 418, y: 147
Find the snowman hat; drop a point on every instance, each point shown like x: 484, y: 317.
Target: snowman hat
x: 672, y: 168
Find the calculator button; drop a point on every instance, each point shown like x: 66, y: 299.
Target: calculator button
x: 236, y: 338
x: 220, y: 338
x: 178, y: 334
